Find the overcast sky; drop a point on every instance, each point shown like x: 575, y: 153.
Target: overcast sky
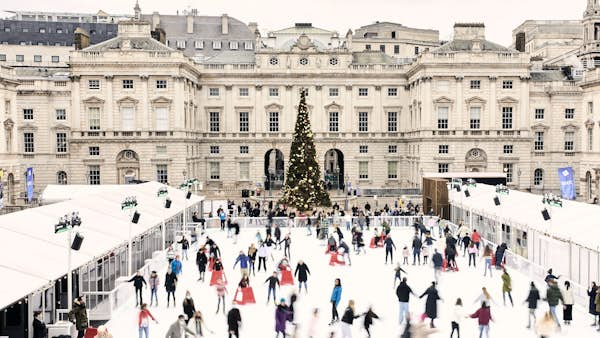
x: 499, y: 16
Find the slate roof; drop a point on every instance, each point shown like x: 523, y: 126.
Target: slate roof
x: 547, y: 76
x: 375, y: 57
x: 467, y: 45
x: 231, y: 57
x: 137, y: 43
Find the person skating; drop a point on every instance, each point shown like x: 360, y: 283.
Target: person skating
x: 403, y: 293
x: 568, y: 302
x: 506, y: 288
x: 348, y: 319
x: 458, y: 313
x: 38, y: 325
x: 346, y: 252
x: 185, y: 245
x: 313, y: 324
x: 179, y: 329
x: 466, y: 243
x: 197, y: 324
x: 476, y: 238
x: 263, y: 252
x: 484, y: 316
x: 176, y: 266
x: 218, y: 272
x: 188, y: 306
x: 451, y: 256
x: 472, y: 250
x: 551, y: 277
x: 273, y: 284
x: 397, y: 273
x: 153, y: 282
x: 553, y: 297
x: 368, y: 321
x: 170, y: 254
x: 282, y: 316
x: 485, y: 297
x: 532, y: 302
x: 270, y: 244
x: 252, y: 258
x: 221, y: 290
x: 591, y: 292
x: 287, y: 242
x: 331, y: 244
x: 425, y: 253
x: 170, y: 285
x: 277, y: 234
x: 388, y: 243
x: 244, y: 261
x: 144, y: 321
x: 201, y: 261
x: 78, y: 316
x: 302, y: 271
x: 438, y: 263
x: 336, y: 296
x: 431, y: 303
x: 546, y: 326
x: 405, y: 254
x: 487, y: 258
x: 234, y: 322
x: 138, y: 283
x: 416, y: 247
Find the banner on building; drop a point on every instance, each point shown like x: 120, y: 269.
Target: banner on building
x: 567, y: 183
x: 29, y: 183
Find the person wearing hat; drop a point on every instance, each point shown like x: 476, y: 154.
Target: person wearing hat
x: 282, y: 315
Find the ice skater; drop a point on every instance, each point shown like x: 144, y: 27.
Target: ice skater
x: 273, y: 284
x: 336, y: 296
x: 302, y: 271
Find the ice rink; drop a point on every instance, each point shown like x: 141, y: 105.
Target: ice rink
x: 369, y: 281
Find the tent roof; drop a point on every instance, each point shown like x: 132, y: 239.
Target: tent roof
x: 42, y: 254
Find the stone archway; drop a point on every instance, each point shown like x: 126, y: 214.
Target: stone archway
x: 128, y: 166
x: 334, y: 169
x: 274, y: 169
x: 476, y: 160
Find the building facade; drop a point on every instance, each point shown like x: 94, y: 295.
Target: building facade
x: 134, y: 108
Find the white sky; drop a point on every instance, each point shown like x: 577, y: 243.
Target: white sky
x: 499, y: 16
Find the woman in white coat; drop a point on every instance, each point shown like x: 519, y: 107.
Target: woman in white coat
x: 458, y: 313
x: 568, y: 301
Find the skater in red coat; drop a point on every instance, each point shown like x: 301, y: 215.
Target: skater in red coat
x: 217, y: 273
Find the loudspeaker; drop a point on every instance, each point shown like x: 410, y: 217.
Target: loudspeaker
x: 546, y: 214
x: 496, y: 200
x: 188, y: 195
x: 167, y: 204
x: 467, y: 193
x: 77, y: 242
x: 136, y: 217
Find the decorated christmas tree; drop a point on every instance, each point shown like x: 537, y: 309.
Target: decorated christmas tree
x: 304, y: 188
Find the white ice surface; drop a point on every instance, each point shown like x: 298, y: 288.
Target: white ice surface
x: 368, y: 281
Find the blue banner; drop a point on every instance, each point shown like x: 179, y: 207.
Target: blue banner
x: 29, y: 183
x: 567, y: 183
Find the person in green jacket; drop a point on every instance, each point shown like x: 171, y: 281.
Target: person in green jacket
x: 553, y: 297
x: 506, y: 287
x: 78, y: 315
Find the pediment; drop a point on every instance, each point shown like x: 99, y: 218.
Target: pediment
x: 475, y: 100
x: 508, y: 99
x: 28, y: 126
x: 540, y: 127
x: 273, y: 106
x: 589, y: 124
x: 333, y: 106
x: 93, y: 100
x: 442, y: 100
x: 127, y: 99
x: 161, y: 99
x: 60, y: 126
x: 570, y: 127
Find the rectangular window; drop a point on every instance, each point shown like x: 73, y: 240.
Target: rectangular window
x: 393, y: 91
x: 363, y: 170
x: 334, y: 92
x: 94, y: 151
x: 363, y: 121
x: 161, y: 150
x: 233, y: 45
x: 475, y: 84
x: 199, y: 44
x: 590, y: 106
x: 443, y: 149
x: 507, y: 117
x: 569, y: 113
x: 569, y: 141
x: 244, y: 171
x: 20, y: 58
x: 334, y: 121
x: 37, y: 58
x: 248, y: 45
x: 215, y: 170
x: 590, y: 135
x: 367, y: 47
x: 443, y: 167
x: 507, y: 84
x: 363, y: 149
x: 396, y: 49
x: 93, y: 84
x: 28, y: 143
x: 128, y: 84
x: 507, y: 149
x: 28, y: 114
x: 273, y: 91
x: 42, y: 30
x: 162, y: 118
x: 61, y: 142
x: 416, y: 50
x: 94, y: 174
x: 213, y: 122
x: 61, y: 114
x: 363, y: 91
x: 161, y: 84
x: 128, y: 118
x: 180, y: 44
x: 244, y: 124
x: 244, y: 92
x: 55, y: 59
x: 392, y: 148
x: 508, y: 169
x: 475, y: 117
x: 392, y: 169
x: 162, y: 174
x: 214, y: 149
x: 2, y: 57
x: 213, y: 91
x: 94, y: 118
x: 539, y: 114
x: 273, y: 121
x: 244, y: 150
x: 216, y: 45
x: 443, y: 117
x: 392, y: 121
x: 538, y: 141
x: 382, y: 48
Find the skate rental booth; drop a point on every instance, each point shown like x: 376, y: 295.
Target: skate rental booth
x: 35, y: 259
x: 567, y: 241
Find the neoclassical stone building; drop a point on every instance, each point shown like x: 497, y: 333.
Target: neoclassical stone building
x: 133, y: 108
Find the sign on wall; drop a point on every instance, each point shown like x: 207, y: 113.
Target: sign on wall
x: 567, y: 183
x: 29, y: 184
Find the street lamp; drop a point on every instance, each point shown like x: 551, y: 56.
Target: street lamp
x: 66, y: 224
x: 163, y: 193
x: 130, y: 204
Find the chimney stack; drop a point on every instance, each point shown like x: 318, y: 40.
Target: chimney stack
x: 82, y: 39
x: 253, y: 27
x: 190, y: 23
x: 469, y: 31
x: 155, y: 20
x: 224, y: 24
x: 159, y: 35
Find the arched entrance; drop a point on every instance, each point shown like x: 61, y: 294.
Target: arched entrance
x: 334, y: 169
x: 476, y: 160
x: 274, y: 169
x: 128, y: 166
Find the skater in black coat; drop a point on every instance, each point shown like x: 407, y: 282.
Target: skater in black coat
x: 532, y: 301
x: 201, y: 261
x: 302, y: 273
x: 431, y: 303
x: 389, y: 245
x: 368, y: 321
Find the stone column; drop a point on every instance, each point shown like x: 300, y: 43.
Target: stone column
x: 144, y: 110
x: 492, y: 107
x: 76, y: 103
x: 178, y: 104
x: 110, y: 113
x: 460, y: 113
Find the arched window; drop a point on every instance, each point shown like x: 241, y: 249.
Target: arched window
x: 538, y: 177
x: 61, y: 177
